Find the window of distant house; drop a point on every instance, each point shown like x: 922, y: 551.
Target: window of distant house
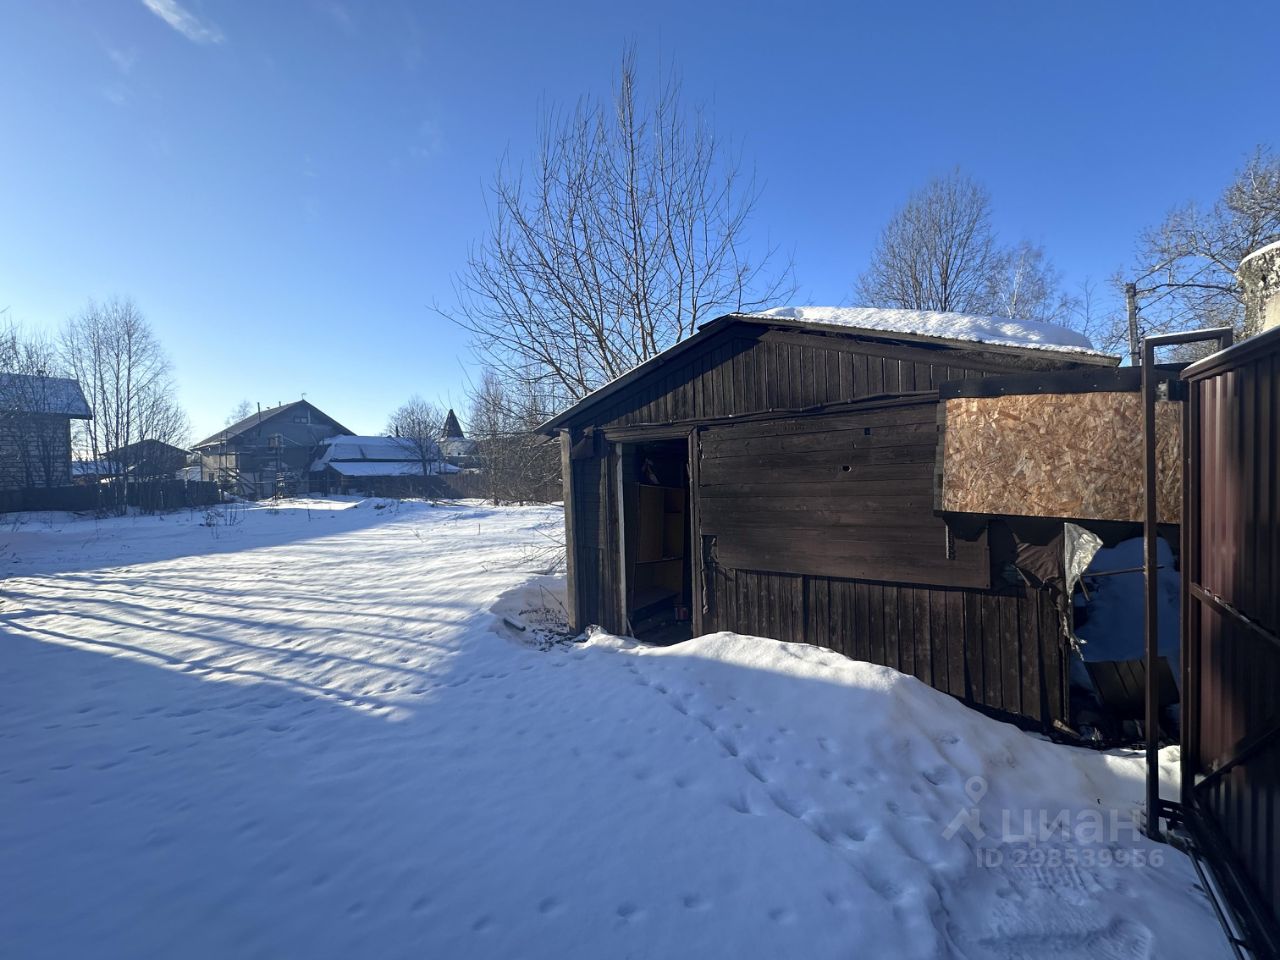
x: 301, y: 418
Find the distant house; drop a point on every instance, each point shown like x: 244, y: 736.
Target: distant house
x: 378, y: 466
x: 455, y: 446
x: 35, y: 429
x: 143, y: 460
x: 269, y: 452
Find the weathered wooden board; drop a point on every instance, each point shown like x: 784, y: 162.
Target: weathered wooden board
x: 1077, y: 456
x: 1000, y: 651
x: 826, y: 495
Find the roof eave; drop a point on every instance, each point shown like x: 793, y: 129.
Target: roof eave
x: 636, y: 372
x: 613, y: 386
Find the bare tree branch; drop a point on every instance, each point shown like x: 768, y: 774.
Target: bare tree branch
x: 627, y: 232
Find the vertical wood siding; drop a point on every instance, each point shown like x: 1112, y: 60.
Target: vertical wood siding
x: 1003, y: 652
x: 998, y: 650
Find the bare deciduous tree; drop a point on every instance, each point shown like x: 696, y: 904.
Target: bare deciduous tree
x: 239, y: 412
x: 1185, y: 267
x: 418, y: 422
x: 518, y: 465
x: 937, y: 253
x: 940, y: 252
x: 629, y: 230
x: 127, y: 378
x: 1026, y: 286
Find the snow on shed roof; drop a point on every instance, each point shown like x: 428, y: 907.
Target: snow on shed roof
x: 963, y: 327
x: 952, y: 330
x: 31, y: 393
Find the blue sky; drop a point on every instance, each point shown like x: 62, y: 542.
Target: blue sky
x: 288, y: 188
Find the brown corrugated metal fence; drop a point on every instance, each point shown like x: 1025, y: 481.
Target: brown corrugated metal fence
x: 1231, y: 624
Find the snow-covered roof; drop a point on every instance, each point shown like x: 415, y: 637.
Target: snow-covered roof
x: 30, y: 393
x: 1273, y: 247
x: 354, y: 456
x: 94, y: 468
x: 962, y: 327
x: 385, y: 468
x: 345, y: 447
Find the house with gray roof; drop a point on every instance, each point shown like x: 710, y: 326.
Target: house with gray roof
x: 268, y: 452
x: 35, y: 429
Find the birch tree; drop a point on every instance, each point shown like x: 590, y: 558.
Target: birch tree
x: 127, y: 379
x: 518, y: 465
x: 419, y: 422
x: 940, y: 251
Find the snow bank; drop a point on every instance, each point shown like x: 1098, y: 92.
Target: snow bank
x: 1027, y: 334
x: 309, y: 733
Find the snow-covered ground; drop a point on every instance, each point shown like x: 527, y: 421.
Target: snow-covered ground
x: 309, y: 734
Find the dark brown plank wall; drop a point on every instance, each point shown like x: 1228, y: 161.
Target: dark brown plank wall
x: 753, y: 370
x: 855, y: 559
x: 1003, y: 652
x: 842, y: 495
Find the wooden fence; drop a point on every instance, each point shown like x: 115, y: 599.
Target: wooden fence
x: 151, y: 496
x: 476, y: 486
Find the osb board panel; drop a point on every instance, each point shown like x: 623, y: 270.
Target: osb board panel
x: 1058, y: 455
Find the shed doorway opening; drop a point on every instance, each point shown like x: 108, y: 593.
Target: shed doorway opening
x: 657, y: 564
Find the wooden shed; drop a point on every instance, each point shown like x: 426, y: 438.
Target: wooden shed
x: 774, y: 474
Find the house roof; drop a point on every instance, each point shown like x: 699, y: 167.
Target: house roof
x: 94, y: 468
x: 354, y: 456
x: 951, y: 330
x: 452, y: 429
x: 348, y: 447
x: 32, y: 393
x: 251, y: 421
x: 385, y: 468
x: 150, y: 448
